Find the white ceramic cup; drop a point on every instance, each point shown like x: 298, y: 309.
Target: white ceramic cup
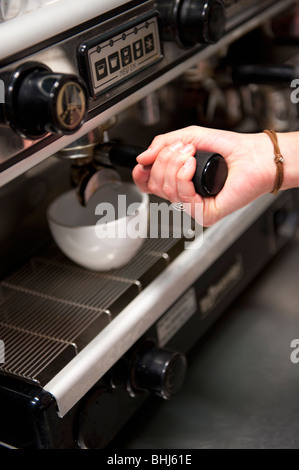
x: 107, y: 233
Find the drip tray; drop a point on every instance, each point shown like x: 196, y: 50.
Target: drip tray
x: 51, y: 308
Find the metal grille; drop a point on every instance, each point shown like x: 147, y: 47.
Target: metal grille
x: 51, y: 308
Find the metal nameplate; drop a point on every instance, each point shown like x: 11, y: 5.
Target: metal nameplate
x: 176, y: 317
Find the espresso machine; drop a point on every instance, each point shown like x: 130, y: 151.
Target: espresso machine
x: 87, y: 87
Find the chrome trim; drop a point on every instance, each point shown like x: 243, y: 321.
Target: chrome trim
x: 32, y: 28
x: 7, y: 446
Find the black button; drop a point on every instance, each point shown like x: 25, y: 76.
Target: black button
x: 101, y: 69
x: 114, y: 62
x: 138, y: 49
x: 149, y: 43
x: 126, y: 56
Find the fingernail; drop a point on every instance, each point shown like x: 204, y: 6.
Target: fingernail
x: 188, y: 163
x: 146, y: 168
x: 176, y: 146
x: 143, y: 153
x: 188, y: 148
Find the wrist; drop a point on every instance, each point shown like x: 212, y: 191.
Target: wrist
x: 263, y: 153
x: 289, y: 148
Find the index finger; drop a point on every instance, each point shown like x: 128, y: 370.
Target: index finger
x: 141, y: 176
x: 182, y: 136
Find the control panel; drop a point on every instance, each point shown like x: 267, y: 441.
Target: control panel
x: 106, y: 61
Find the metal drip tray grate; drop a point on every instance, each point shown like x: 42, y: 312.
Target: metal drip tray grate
x: 51, y: 308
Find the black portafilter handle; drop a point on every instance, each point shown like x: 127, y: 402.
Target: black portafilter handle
x: 210, y: 175
x: 211, y: 168
x: 264, y: 74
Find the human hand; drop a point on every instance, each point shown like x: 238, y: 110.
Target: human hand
x: 167, y: 167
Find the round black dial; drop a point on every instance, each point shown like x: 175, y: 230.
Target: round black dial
x: 159, y: 371
x: 201, y: 21
x: 41, y: 101
x: 192, y: 22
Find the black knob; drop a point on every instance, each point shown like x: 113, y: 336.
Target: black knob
x: 210, y: 175
x: 201, y: 21
x: 159, y: 371
x: 40, y: 101
x: 192, y: 22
